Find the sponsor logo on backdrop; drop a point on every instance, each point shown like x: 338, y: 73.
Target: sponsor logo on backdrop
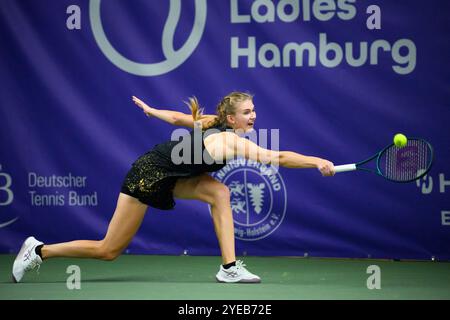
x: 258, y: 198
x: 59, y: 190
x: 252, y: 51
x: 174, y: 58
x: 6, y: 197
x: 429, y: 184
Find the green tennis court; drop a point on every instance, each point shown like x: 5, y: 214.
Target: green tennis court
x: 190, y: 277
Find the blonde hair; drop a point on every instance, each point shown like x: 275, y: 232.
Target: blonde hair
x: 225, y: 107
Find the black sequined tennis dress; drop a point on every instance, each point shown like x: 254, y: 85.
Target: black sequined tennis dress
x: 152, y: 176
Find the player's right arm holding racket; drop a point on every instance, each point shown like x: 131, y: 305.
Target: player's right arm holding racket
x: 227, y: 145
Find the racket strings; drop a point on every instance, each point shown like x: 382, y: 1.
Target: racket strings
x: 406, y: 163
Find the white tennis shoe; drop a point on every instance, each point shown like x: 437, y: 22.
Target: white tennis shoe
x: 236, y: 274
x: 27, y: 259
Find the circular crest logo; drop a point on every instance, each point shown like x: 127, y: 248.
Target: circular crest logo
x: 258, y: 198
x: 174, y: 58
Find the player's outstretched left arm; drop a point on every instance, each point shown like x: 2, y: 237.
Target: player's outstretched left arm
x: 175, y: 118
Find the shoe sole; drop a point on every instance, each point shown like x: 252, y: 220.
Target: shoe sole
x: 239, y: 281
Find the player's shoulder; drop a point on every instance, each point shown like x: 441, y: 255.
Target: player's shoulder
x: 215, y: 135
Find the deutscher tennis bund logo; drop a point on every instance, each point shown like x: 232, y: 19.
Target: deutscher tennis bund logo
x: 174, y: 58
x: 258, y: 197
x: 6, y: 198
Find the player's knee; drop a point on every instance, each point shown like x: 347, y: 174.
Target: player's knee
x: 110, y: 255
x: 107, y: 253
x: 220, y: 193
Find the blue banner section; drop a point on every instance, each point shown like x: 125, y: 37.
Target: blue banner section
x: 338, y: 79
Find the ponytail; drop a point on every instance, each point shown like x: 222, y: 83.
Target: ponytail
x: 196, y: 111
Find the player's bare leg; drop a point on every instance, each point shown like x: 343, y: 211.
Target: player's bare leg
x: 123, y: 226
x: 216, y: 194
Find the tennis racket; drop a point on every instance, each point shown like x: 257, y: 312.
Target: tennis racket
x: 398, y: 164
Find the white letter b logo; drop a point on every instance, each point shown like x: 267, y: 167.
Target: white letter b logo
x: 5, y: 188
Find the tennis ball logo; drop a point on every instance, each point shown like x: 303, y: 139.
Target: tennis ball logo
x: 174, y: 58
x: 400, y: 140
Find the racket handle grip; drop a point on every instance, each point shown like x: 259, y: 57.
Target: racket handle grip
x: 345, y: 168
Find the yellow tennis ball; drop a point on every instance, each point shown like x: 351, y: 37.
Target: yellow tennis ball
x: 400, y: 140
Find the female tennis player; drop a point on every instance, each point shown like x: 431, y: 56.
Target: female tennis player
x: 155, y: 179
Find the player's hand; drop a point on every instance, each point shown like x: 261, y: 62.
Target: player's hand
x: 326, y: 168
x: 141, y: 104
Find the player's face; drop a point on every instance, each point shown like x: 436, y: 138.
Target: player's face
x: 245, y: 116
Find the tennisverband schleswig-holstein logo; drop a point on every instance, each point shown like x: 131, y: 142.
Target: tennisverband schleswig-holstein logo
x: 258, y: 197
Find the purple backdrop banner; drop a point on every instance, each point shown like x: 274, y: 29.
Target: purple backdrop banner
x: 337, y: 78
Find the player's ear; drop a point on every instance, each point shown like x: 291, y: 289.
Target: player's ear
x: 230, y: 119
